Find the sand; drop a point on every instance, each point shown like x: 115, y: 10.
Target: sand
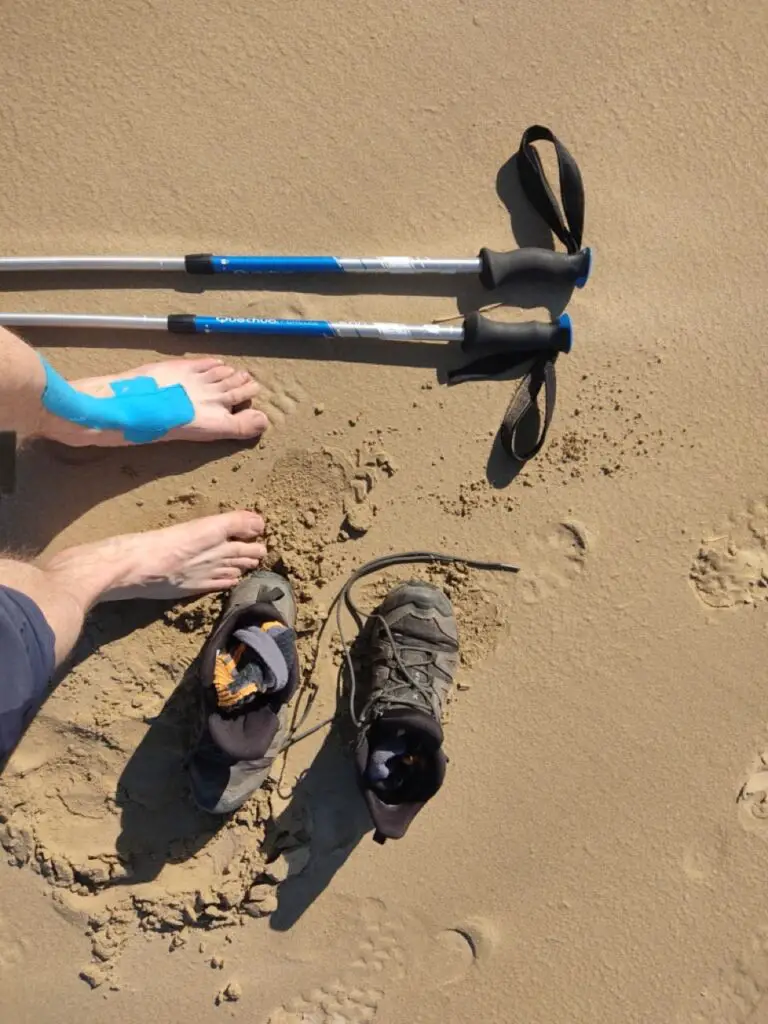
x: 598, y: 853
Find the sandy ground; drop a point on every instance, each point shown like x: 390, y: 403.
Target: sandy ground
x: 598, y: 853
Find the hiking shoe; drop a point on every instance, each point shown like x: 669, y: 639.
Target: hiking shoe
x: 249, y: 673
x: 414, y: 653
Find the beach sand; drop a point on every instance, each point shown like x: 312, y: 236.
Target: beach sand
x: 599, y: 850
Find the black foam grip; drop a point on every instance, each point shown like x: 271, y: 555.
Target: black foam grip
x: 500, y: 268
x: 489, y: 337
x: 199, y: 263
x: 182, y: 323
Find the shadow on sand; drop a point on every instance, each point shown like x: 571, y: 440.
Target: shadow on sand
x: 160, y: 824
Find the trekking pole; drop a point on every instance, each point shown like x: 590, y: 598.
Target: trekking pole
x: 493, y: 268
x: 477, y: 334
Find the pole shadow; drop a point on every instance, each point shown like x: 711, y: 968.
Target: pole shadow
x: 527, y: 227
x: 30, y: 519
x: 465, y: 289
x: 501, y: 468
x: 418, y: 354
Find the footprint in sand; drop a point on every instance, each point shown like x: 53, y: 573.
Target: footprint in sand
x: 706, y: 856
x: 13, y: 950
x: 317, y: 499
x: 554, y: 559
x: 279, y: 397
x: 397, y: 952
x: 738, y: 994
x: 752, y: 800
x: 731, y: 567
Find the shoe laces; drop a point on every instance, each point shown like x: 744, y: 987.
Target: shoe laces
x: 407, y: 687
x: 343, y: 599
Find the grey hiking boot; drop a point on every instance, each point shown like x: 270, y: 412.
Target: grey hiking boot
x: 249, y: 673
x: 414, y: 653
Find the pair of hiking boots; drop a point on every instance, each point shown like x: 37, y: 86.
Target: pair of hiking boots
x: 249, y: 672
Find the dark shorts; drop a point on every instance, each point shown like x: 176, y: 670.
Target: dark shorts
x: 27, y: 661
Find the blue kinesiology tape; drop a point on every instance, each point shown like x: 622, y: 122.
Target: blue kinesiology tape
x: 139, y: 408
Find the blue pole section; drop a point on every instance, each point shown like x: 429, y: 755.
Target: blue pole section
x: 276, y: 265
x: 258, y: 325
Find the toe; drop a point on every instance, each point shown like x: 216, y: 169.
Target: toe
x: 241, y: 525
x: 224, y: 579
x: 244, y: 393
x: 204, y: 364
x: 244, y: 564
x: 235, y: 380
x: 248, y: 423
x: 216, y: 374
x: 242, y: 551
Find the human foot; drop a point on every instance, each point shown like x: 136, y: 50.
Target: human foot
x: 199, y: 557
x: 214, y: 389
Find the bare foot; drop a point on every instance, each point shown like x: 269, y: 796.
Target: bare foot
x: 214, y: 389
x: 199, y: 557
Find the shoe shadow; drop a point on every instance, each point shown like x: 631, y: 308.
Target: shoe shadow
x: 160, y: 824
x: 328, y: 797
x: 327, y: 793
